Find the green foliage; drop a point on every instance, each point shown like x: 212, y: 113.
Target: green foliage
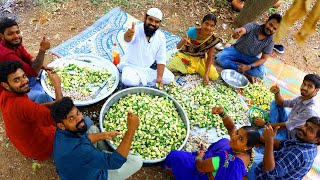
x: 122, y: 3
x: 109, y: 4
x: 220, y: 3
x: 35, y: 166
x: 97, y: 2
x: 48, y: 3
x: 272, y: 10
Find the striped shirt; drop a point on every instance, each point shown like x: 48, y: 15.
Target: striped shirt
x: 293, y: 160
x: 249, y: 43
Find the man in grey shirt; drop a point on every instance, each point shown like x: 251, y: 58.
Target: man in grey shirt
x: 253, y: 39
x: 303, y: 108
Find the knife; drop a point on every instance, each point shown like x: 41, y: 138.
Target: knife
x: 85, y: 60
x: 100, y: 89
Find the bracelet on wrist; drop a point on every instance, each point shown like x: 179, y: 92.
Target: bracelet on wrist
x: 223, y: 115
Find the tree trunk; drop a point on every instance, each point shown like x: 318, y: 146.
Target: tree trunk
x: 252, y: 10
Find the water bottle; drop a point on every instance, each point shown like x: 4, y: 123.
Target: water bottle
x: 115, y: 54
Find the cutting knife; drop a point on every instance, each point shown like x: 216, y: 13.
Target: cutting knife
x: 100, y: 89
x: 85, y: 60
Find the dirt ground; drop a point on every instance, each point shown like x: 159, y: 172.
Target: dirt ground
x: 65, y: 19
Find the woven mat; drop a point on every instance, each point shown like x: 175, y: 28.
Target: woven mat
x: 99, y: 38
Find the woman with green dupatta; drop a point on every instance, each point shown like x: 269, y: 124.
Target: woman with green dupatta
x: 196, y: 51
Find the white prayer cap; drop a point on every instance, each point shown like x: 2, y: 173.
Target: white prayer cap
x: 155, y: 12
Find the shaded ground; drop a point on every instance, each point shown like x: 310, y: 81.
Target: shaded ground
x: 61, y: 21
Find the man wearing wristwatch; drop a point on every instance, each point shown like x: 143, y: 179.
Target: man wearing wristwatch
x: 302, y: 108
x: 253, y: 39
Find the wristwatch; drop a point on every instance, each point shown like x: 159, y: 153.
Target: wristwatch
x: 252, y: 66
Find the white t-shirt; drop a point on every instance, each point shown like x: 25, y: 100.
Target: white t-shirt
x: 142, y: 53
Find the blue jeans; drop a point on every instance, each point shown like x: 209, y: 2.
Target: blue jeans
x: 277, y: 114
x: 37, y: 93
x: 87, y: 121
x: 230, y: 58
x: 258, y: 158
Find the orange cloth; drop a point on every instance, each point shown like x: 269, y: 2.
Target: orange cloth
x: 298, y: 10
x: 310, y: 24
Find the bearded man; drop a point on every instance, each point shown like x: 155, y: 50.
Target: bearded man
x: 287, y: 159
x: 11, y: 48
x: 76, y: 154
x: 253, y: 39
x: 144, y: 63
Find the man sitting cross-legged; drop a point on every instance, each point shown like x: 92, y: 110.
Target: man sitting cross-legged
x: 145, y: 61
x: 253, y: 39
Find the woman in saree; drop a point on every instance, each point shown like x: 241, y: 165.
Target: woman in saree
x: 224, y: 159
x: 196, y: 51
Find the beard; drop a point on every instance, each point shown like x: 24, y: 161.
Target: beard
x: 148, y: 31
x: 11, y: 44
x: 21, y: 91
x: 263, y: 30
x: 81, y: 130
x: 303, y: 93
x: 298, y: 137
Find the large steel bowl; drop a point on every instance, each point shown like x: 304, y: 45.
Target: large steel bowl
x: 234, y: 79
x: 137, y: 90
x: 82, y: 60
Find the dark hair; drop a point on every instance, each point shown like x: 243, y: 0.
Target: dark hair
x: 253, y: 135
x: 315, y: 120
x: 210, y: 17
x: 7, y: 68
x: 313, y: 78
x: 60, y: 109
x: 275, y: 16
x: 7, y: 23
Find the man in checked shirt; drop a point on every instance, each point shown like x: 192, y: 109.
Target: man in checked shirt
x: 288, y: 159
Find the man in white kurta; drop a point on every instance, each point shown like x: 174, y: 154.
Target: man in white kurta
x: 146, y: 48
